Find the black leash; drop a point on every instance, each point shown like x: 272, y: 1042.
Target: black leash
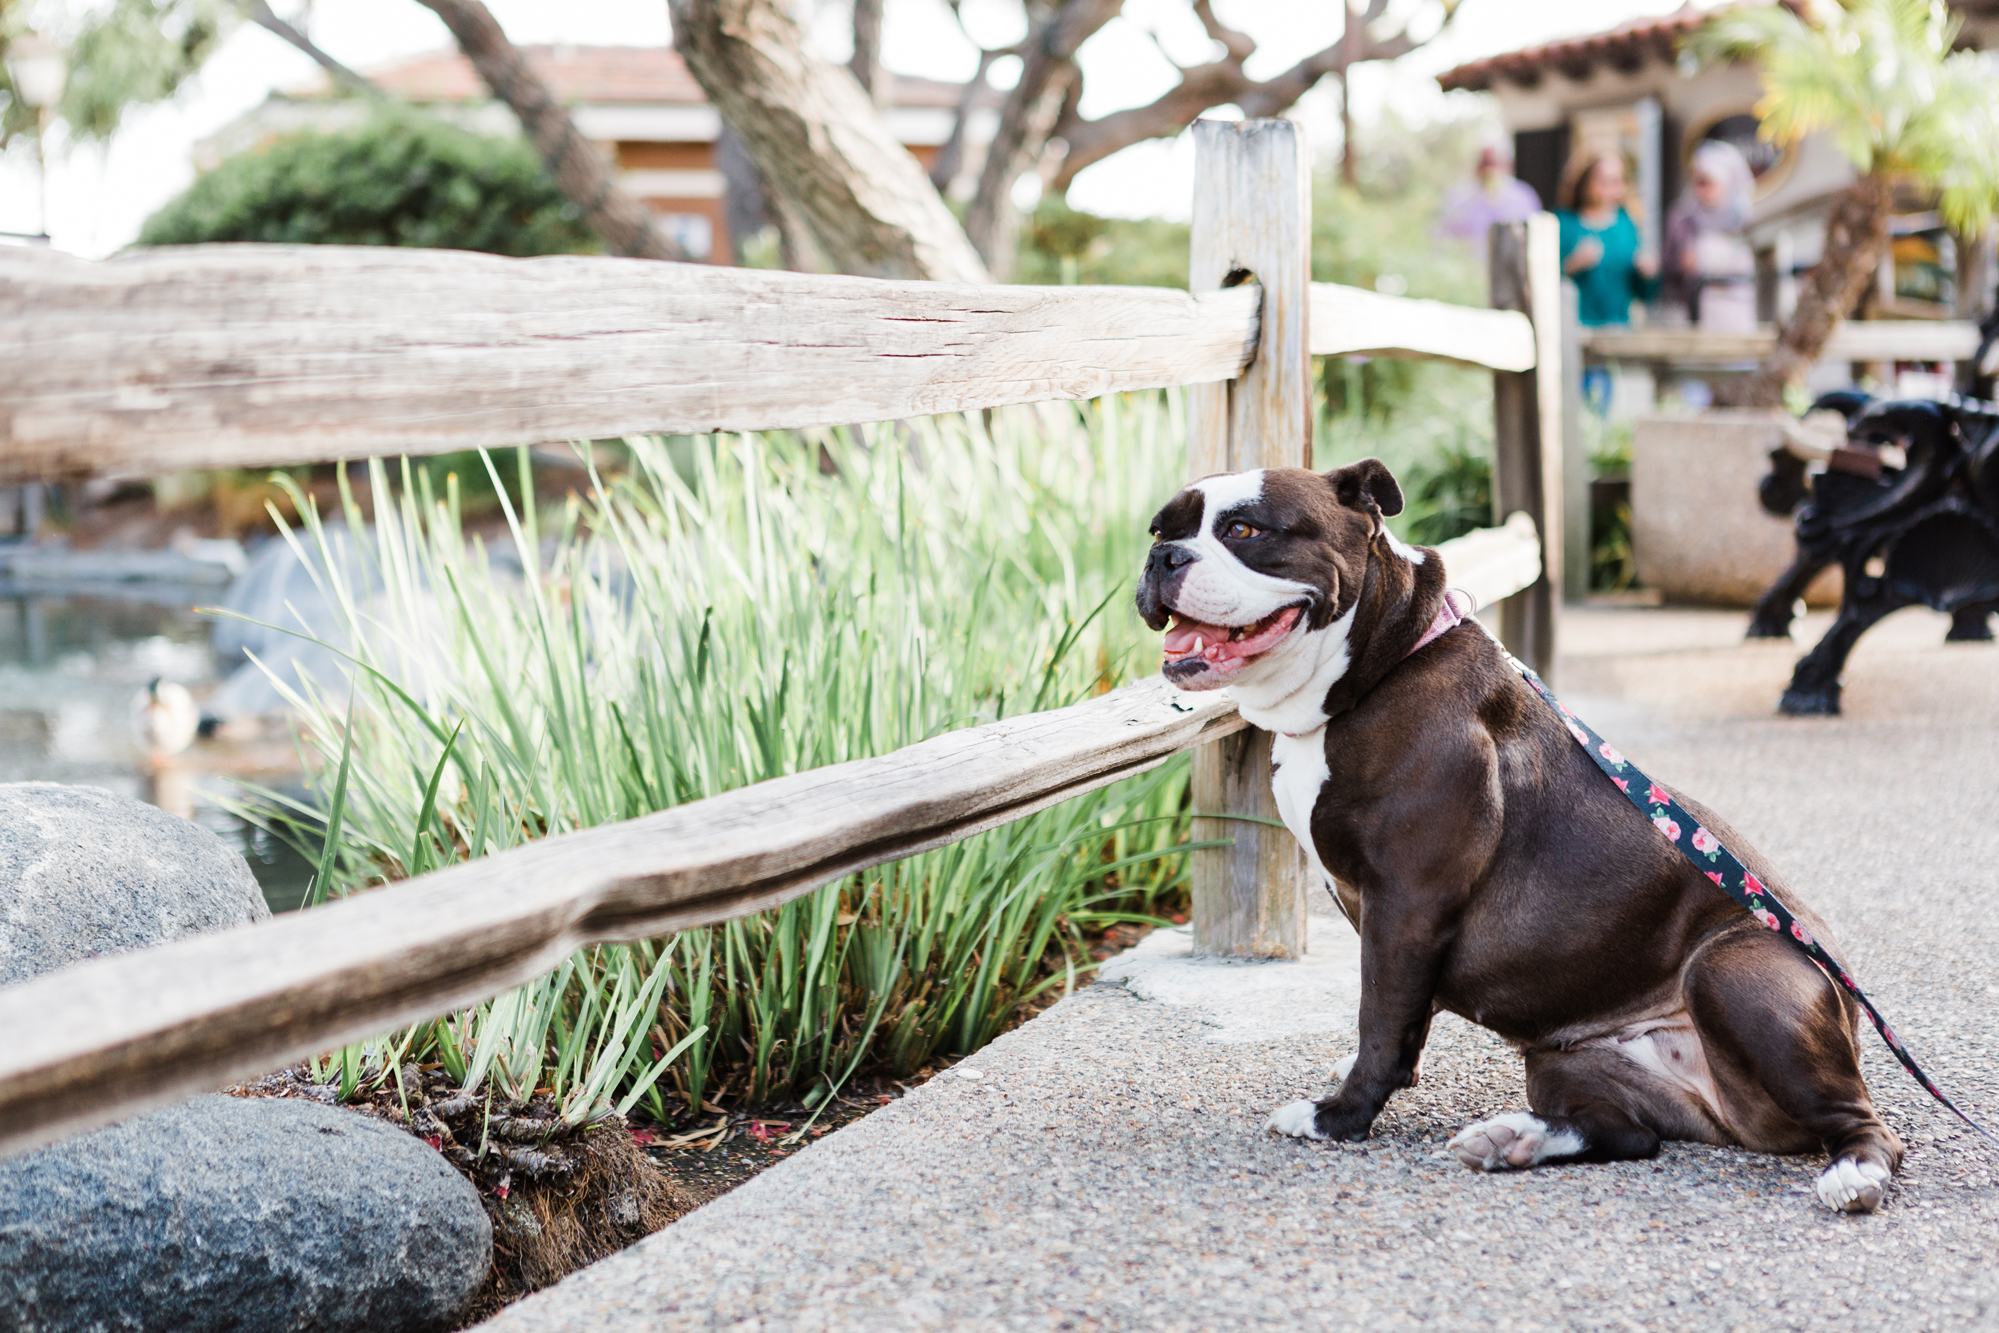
x: 1713, y: 859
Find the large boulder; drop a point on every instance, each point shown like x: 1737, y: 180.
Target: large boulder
x: 239, y: 1214
x: 84, y: 873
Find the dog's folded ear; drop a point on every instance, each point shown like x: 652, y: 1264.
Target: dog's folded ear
x: 1367, y: 485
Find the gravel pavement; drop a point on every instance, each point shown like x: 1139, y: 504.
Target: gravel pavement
x: 1108, y: 1169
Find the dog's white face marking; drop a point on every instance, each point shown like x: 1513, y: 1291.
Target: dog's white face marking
x: 1285, y: 689
x: 1296, y: 1119
x: 1850, y: 1186
x: 1238, y: 627
x: 1218, y: 588
x: 1513, y: 1142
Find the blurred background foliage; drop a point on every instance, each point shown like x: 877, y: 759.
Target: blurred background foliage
x: 134, y: 52
x: 398, y: 178
x: 1431, y: 422
x: 122, y: 53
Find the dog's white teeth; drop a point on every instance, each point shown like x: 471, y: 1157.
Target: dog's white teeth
x: 1236, y: 633
x: 1200, y: 645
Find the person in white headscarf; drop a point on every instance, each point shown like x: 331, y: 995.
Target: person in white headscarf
x: 1709, y: 267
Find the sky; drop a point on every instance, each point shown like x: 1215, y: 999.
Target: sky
x: 98, y: 196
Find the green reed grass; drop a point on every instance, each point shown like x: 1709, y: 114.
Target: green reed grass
x: 723, y: 611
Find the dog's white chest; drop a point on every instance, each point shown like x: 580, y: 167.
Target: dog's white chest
x: 1298, y: 775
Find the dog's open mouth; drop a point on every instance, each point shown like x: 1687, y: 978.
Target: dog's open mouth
x: 1204, y: 656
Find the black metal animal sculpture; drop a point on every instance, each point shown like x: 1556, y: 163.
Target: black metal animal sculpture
x: 1918, y: 529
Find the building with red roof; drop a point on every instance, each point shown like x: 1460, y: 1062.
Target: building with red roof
x: 638, y: 102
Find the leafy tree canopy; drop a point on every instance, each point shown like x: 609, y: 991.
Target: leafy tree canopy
x: 1881, y: 78
x: 134, y: 52
x: 399, y: 178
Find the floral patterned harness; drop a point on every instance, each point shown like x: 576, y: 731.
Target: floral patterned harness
x: 1713, y: 859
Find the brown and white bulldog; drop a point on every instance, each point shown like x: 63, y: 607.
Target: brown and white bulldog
x: 1491, y: 869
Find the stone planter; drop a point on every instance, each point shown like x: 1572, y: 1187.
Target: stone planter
x: 1697, y: 531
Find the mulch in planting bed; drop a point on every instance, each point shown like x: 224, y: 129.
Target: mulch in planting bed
x: 728, y: 1144
x: 562, y: 1197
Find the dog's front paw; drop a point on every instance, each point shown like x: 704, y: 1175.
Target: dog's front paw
x: 1343, y: 1067
x: 1299, y: 1120
x: 1323, y: 1121
x: 1850, y: 1186
x: 1512, y: 1142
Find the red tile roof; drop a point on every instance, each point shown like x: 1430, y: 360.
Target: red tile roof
x: 593, y: 74
x: 1625, y: 47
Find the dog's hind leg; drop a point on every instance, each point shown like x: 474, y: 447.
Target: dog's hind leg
x: 1591, y: 1104
x: 1781, y: 1042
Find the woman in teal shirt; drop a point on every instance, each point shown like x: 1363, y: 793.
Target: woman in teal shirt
x: 1600, y: 243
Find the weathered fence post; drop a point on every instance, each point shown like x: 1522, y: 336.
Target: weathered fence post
x: 1252, y: 222
x: 1527, y: 428
x: 1574, y: 456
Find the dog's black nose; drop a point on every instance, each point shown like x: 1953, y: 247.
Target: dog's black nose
x: 1169, y: 556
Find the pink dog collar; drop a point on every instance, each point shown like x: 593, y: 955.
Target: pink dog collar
x: 1456, y: 606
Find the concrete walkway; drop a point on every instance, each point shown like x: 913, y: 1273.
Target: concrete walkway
x: 1107, y: 1168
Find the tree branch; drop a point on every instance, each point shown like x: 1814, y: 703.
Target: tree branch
x: 1237, y: 44
x: 1221, y: 82
x: 1160, y: 46
x: 1028, y: 119
x: 580, y: 171
x: 866, y: 63
x: 260, y: 13
x: 951, y: 157
x: 1203, y: 87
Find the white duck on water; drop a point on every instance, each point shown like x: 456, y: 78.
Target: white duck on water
x: 164, y: 717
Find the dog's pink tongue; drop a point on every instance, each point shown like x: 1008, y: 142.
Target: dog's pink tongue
x: 1180, y: 639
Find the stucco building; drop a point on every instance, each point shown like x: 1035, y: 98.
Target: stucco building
x: 1630, y: 89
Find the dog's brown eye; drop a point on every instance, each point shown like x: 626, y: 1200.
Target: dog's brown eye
x: 1240, y: 532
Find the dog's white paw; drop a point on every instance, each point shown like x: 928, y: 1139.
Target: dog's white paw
x: 1344, y: 1067
x: 1849, y: 1186
x: 1512, y: 1142
x: 1295, y: 1119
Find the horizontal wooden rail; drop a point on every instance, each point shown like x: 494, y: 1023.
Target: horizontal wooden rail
x: 1354, y: 321
x: 257, y: 356
x: 1853, y: 340
x: 1494, y: 563
x: 110, y: 1037
x: 104, y: 1039
x: 254, y: 356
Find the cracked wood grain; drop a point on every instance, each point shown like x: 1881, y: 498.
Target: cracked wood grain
x: 255, y: 356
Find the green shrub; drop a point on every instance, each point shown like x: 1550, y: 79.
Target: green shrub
x: 1062, y: 245
x: 1613, y: 568
x: 399, y: 178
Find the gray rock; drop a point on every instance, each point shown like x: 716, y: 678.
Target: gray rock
x: 237, y: 1214
x: 84, y: 872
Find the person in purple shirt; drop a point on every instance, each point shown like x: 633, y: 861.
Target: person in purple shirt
x: 1495, y: 194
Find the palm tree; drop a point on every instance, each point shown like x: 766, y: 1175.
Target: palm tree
x: 1880, y: 77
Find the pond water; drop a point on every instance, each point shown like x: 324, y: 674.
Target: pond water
x: 71, y: 663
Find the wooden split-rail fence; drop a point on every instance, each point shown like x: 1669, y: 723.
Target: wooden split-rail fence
x: 253, y: 356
